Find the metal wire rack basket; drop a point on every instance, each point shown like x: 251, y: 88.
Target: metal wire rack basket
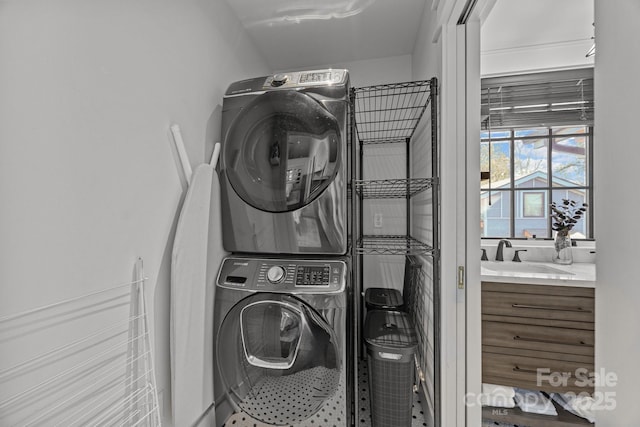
x: 392, y: 188
x: 392, y: 245
x: 390, y: 113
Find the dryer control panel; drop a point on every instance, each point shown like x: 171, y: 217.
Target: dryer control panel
x: 306, y: 78
x: 283, y: 275
x: 289, y: 80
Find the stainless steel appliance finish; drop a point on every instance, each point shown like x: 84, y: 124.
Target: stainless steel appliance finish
x: 281, y: 341
x: 283, y: 164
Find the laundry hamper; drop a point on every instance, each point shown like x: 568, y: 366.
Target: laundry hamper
x: 391, y: 343
x: 383, y: 299
x: 393, y: 299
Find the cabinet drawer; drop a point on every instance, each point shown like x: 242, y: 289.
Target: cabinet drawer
x: 522, y: 371
x: 540, y: 353
x: 564, y: 304
x: 532, y: 337
x: 525, y: 288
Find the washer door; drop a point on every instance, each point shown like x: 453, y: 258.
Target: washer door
x: 278, y: 358
x: 282, y: 151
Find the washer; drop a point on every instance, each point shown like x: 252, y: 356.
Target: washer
x: 282, y: 342
x: 283, y: 164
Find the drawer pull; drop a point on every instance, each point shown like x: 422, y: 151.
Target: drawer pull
x: 590, y: 375
x: 547, y: 341
x: 544, y: 307
x: 526, y: 371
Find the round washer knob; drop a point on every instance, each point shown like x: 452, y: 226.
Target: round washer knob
x: 275, y: 274
x: 279, y: 79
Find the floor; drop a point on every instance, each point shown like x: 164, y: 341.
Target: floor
x: 332, y: 414
x: 329, y: 417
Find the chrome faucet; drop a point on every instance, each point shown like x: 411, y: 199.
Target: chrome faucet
x: 501, y: 245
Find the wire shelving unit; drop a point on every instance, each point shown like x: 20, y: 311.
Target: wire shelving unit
x: 391, y: 114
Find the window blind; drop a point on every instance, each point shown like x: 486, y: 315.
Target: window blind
x: 557, y: 98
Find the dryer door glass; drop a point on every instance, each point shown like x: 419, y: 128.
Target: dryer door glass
x: 278, y: 358
x: 282, y: 151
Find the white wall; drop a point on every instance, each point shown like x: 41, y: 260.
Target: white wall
x: 521, y: 36
x: 426, y: 65
x: 616, y: 158
x: 89, y: 178
x: 427, y: 54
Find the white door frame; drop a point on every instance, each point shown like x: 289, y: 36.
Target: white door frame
x: 452, y: 223
x: 461, y: 362
x: 473, y: 338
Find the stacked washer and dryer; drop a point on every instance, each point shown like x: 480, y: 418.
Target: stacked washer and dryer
x: 282, y: 303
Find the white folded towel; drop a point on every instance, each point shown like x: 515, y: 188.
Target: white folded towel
x: 579, y: 405
x: 534, y: 402
x: 498, y: 390
x: 498, y: 401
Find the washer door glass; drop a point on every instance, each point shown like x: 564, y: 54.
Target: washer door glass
x: 282, y: 151
x: 278, y: 358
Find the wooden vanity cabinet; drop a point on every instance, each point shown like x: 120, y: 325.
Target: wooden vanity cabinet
x: 526, y: 328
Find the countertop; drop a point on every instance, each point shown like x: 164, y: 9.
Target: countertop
x: 576, y: 274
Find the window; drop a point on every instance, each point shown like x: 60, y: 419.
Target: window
x: 530, y: 168
x: 533, y: 204
x: 536, y: 144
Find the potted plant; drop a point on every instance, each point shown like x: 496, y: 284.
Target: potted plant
x: 564, y: 216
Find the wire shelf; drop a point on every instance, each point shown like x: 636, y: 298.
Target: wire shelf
x: 392, y: 188
x: 391, y: 245
x: 390, y: 113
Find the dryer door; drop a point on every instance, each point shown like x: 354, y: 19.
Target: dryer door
x: 282, y: 151
x: 279, y: 360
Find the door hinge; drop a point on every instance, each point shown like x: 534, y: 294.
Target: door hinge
x: 460, y: 277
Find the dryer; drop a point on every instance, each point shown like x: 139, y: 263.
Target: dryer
x: 281, y: 342
x: 283, y: 164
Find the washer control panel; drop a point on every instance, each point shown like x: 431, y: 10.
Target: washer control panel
x: 313, y: 275
x: 283, y: 275
x: 276, y: 274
